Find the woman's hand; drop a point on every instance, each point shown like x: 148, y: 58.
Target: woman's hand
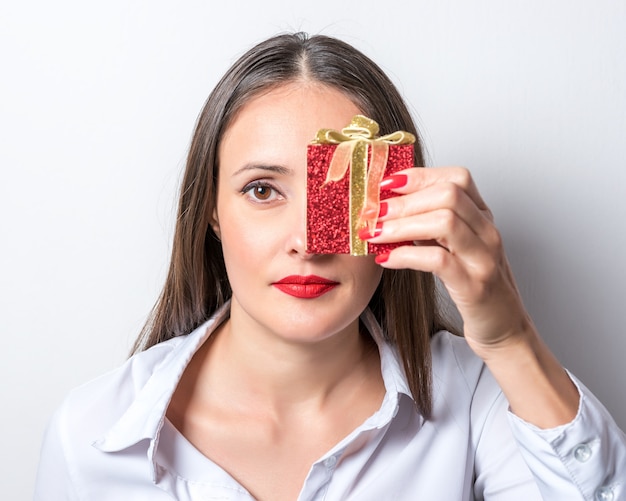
x: 455, y: 238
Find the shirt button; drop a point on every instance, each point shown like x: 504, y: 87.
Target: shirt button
x: 330, y: 462
x: 582, y: 453
x: 605, y: 494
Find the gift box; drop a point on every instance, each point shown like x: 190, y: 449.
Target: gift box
x: 344, y: 170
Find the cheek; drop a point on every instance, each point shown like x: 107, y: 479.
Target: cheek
x: 370, y: 280
x: 374, y: 274
x: 367, y: 274
x: 246, y: 243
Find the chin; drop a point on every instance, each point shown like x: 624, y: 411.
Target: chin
x: 311, y: 328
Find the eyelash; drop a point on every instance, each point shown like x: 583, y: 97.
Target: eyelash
x: 260, y: 184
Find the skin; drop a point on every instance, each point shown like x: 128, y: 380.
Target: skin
x: 263, y: 230
x: 281, y: 366
x: 442, y: 211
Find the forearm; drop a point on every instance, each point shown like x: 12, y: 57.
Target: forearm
x: 538, y: 388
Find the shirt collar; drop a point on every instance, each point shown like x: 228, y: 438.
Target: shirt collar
x: 144, y: 417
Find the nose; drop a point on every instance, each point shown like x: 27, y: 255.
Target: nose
x: 297, y: 235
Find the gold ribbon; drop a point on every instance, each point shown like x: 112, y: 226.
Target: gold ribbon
x: 351, y: 152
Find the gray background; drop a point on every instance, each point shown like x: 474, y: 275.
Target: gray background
x: 98, y: 101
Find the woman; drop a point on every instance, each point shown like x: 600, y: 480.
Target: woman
x: 270, y: 373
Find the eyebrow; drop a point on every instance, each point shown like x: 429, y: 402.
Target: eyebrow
x: 277, y: 169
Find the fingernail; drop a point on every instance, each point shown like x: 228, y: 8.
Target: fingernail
x: 364, y: 233
x: 393, y: 182
x: 381, y: 258
x: 382, y: 211
x: 373, y: 213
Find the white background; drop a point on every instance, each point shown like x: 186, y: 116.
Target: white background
x: 98, y: 101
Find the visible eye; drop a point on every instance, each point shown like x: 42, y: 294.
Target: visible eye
x: 261, y: 191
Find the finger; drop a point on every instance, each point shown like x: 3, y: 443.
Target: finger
x: 467, y: 284
x: 431, y: 259
x: 420, y: 178
x: 439, y: 196
x: 442, y: 226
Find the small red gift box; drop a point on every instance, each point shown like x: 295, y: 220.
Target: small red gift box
x: 344, y: 170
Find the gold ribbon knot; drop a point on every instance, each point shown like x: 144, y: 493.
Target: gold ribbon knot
x: 352, y: 143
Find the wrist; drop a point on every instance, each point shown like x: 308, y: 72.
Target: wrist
x: 520, y: 339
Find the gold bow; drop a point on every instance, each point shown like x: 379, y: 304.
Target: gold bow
x: 352, y: 145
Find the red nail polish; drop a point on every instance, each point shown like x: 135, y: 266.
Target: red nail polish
x: 381, y: 258
x: 364, y: 233
x: 382, y: 211
x: 393, y: 182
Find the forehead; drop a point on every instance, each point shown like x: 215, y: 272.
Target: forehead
x: 286, y: 116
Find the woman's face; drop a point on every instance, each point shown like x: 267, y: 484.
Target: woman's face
x: 261, y: 219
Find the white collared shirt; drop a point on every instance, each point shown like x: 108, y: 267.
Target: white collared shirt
x: 110, y: 440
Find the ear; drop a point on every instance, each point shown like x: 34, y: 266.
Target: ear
x: 215, y: 224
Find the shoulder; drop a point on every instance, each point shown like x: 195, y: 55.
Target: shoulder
x: 133, y: 398
x: 453, y: 358
x: 461, y: 380
x: 96, y: 405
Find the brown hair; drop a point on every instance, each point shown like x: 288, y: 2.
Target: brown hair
x: 405, y: 301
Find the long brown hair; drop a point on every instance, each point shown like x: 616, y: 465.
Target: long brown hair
x: 404, y: 303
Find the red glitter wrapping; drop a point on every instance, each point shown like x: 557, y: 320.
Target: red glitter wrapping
x: 328, y: 217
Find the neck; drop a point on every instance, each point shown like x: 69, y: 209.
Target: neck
x: 281, y: 374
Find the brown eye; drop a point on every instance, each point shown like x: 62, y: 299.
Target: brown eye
x: 262, y: 192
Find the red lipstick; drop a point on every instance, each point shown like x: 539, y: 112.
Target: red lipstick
x: 308, y: 287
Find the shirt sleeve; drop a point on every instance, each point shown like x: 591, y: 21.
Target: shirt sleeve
x: 54, y: 478
x: 500, y: 473
x: 584, y: 459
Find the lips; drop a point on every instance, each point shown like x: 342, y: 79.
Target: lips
x: 305, y: 287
